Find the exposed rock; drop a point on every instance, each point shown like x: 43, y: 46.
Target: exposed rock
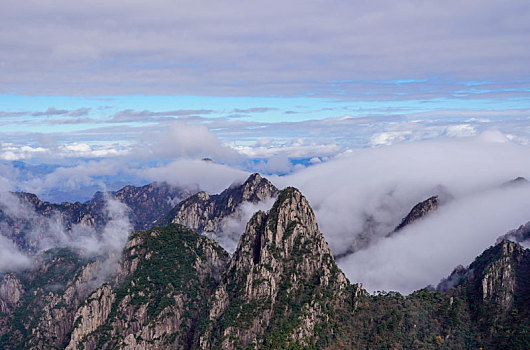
x: 276, y: 282
x: 92, y: 314
x: 169, y: 274
x: 148, y: 203
x: 418, y: 211
x: 176, y: 289
x: 26, y: 220
x: 203, y: 212
x: 519, y: 235
x: 53, y: 291
x: 11, y: 290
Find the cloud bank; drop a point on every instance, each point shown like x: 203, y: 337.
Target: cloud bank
x: 244, y: 49
x: 371, y: 190
x: 47, y: 232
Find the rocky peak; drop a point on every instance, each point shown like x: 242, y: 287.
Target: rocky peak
x: 521, y: 234
x: 419, y: 211
x: 496, y: 281
x: 495, y: 270
x: 282, y: 260
x: 254, y: 189
x: 516, y: 182
x: 203, y: 212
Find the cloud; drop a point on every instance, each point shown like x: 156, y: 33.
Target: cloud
x: 52, y: 111
x: 170, y: 48
x: 232, y: 227
x: 11, y: 258
x: 371, y: 190
x: 208, y: 176
x: 129, y: 115
x: 427, y: 251
x: 181, y: 140
x: 461, y: 130
x: 49, y: 232
x: 255, y: 110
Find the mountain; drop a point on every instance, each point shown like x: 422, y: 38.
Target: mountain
x: 27, y: 220
x: 370, y: 230
x: 41, y: 302
x: 148, y: 204
x: 418, y: 211
x: 170, y: 272
x: 281, y: 289
x: 282, y: 285
x: 204, y: 213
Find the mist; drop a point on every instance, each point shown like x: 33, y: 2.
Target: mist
x: 232, y: 227
x: 50, y: 232
x: 371, y: 190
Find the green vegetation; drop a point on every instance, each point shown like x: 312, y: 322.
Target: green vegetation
x: 60, y: 266
x: 166, y: 271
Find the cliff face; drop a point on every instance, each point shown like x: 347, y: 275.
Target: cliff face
x: 203, y: 212
x: 281, y: 284
x: 169, y: 274
x: 499, y: 282
x: 43, y: 301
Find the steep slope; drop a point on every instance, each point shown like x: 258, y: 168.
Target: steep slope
x: 372, y: 233
x: 168, y: 275
x: 281, y: 289
x: 42, y: 302
x: 418, y: 211
x: 282, y: 285
x: 203, y: 212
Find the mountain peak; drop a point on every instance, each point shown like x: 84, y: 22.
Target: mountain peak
x: 419, y: 211
x: 282, y: 260
x: 203, y: 212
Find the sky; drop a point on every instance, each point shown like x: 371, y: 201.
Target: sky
x: 96, y: 95
x: 95, y: 76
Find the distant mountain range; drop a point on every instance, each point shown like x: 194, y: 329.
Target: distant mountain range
x: 175, y: 288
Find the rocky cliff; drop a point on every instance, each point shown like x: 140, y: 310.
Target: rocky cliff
x: 42, y: 301
x: 418, y: 211
x: 148, y: 203
x: 203, y: 212
x: 169, y: 274
x: 281, y: 286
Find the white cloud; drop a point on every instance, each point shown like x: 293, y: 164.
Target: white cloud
x: 461, y: 130
x: 183, y: 140
x: 207, y: 176
x: 388, y: 138
x: 375, y: 188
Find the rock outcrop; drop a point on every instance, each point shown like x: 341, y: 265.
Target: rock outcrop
x: 148, y: 203
x: 418, y: 211
x: 169, y: 274
x: 281, y: 286
x: 45, y: 310
x: 281, y: 289
x: 203, y: 212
